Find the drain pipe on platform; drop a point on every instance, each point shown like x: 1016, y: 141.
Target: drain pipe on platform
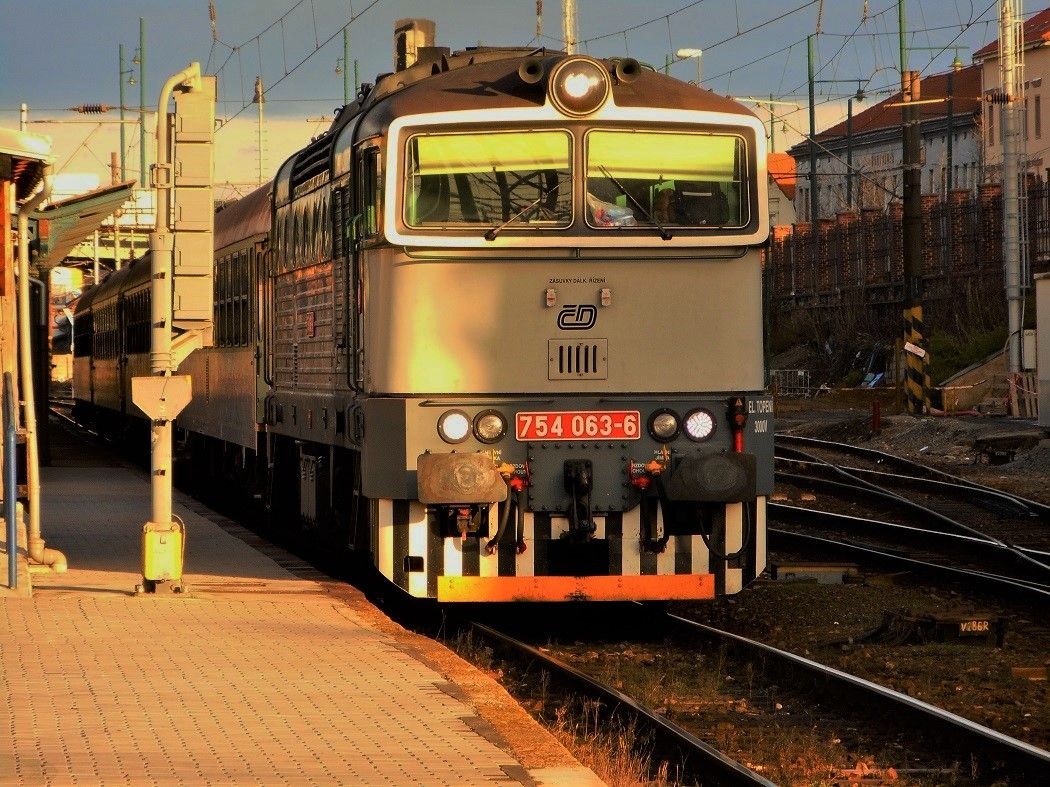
x: 37, y: 553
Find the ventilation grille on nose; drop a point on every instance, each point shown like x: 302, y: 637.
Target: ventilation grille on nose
x: 573, y: 360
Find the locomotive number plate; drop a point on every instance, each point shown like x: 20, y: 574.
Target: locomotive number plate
x: 578, y: 425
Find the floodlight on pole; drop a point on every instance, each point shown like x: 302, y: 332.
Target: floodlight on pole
x: 699, y: 55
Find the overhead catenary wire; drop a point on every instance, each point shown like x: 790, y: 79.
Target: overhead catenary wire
x: 288, y: 71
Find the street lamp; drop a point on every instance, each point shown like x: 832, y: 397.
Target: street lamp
x: 683, y: 54
x: 858, y: 96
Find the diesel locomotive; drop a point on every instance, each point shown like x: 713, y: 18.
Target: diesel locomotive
x: 500, y: 326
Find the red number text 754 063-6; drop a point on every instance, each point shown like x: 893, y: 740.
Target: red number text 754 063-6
x: 578, y: 425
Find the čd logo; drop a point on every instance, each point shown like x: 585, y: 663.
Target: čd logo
x: 577, y: 317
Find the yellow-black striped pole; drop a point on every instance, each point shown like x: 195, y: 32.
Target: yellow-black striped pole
x: 916, y: 375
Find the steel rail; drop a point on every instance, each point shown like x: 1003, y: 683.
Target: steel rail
x: 711, y: 767
x: 832, y: 519
x: 1041, y: 509
x: 980, y: 740
x: 993, y: 582
x: 933, y: 486
x: 868, y: 487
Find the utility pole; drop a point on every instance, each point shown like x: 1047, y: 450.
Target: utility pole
x: 849, y: 153
x: 814, y: 203
x: 120, y: 81
x: 23, y: 117
x: 143, y: 172
x: 949, y: 178
x: 772, y: 127
x: 260, y: 101
x: 346, y: 70
x: 568, y: 25
x: 916, y: 379
x: 539, y: 20
x: 1010, y: 78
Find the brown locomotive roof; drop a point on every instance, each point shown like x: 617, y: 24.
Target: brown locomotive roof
x: 244, y: 218
x: 888, y: 112
x: 495, y: 83
x: 1036, y: 33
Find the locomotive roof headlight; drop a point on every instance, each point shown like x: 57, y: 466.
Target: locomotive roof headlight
x: 453, y: 426
x: 579, y: 86
x: 490, y: 426
x: 699, y: 424
x: 664, y: 426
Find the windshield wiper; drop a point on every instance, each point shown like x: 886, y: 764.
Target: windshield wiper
x: 664, y: 234
x: 492, y: 233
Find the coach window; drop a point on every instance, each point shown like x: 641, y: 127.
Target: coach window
x: 674, y: 179
x: 82, y: 335
x: 244, y: 298
x: 338, y: 247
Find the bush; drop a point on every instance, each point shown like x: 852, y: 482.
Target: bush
x: 951, y: 353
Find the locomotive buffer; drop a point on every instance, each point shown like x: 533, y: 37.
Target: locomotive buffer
x: 180, y: 297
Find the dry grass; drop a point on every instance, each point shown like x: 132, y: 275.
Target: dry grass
x: 616, y: 751
x: 619, y: 754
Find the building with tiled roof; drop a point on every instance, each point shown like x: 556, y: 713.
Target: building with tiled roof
x: 1036, y: 134
x: 872, y: 141
x: 781, y: 169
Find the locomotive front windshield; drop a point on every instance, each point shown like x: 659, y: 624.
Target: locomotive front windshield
x: 520, y: 179
x: 668, y: 179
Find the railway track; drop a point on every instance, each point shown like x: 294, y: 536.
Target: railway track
x: 917, y: 472
x: 952, y: 529
x: 996, y: 584
x: 695, y: 760
x: 946, y: 736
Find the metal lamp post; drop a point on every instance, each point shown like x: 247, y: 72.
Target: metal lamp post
x: 699, y: 55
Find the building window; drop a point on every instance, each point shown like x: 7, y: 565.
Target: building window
x: 1038, y: 122
x: 991, y: 125
x: 1026, y: 118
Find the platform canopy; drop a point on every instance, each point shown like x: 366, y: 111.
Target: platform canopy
x: 23, y: 157
x: 72, y: 220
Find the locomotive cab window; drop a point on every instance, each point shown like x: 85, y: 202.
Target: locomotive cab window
x: 370, y: 190
x: 670, y: 179
x: 518, y: 178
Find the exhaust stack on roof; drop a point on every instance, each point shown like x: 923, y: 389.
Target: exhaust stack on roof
x: 411, y: 35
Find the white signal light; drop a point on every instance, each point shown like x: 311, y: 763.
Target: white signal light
x: 699, y: 424
x: 453, y: 426
x: 579, y: 86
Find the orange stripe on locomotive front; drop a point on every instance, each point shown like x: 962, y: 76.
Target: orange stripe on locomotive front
x: 600, y: 588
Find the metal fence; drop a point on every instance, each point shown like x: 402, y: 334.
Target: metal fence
x: 790, y: 382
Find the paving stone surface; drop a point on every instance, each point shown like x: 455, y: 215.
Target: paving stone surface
x: 257, y: 676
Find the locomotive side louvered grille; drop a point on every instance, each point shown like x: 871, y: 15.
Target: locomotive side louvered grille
x: 573, y: 360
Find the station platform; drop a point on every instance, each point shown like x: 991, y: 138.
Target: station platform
x: 265, y: 672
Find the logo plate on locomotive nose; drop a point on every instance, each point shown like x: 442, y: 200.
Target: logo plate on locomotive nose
x: 577, y: 317
x: 578, y: 425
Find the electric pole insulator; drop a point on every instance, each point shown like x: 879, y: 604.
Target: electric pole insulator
x: 91, y: 109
